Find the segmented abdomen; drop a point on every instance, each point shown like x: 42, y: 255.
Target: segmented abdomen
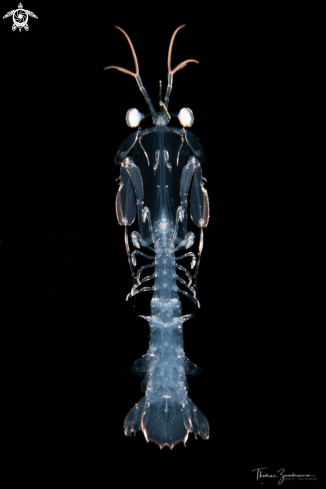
x: 166, y: 414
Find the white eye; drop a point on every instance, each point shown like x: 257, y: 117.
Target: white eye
x: 186, y: 117
x: 133, y: 117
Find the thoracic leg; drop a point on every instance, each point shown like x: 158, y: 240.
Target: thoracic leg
x: 141, y: 269
x: 186, y: 272
x: 134, y: 292
x: 193, y: 298
x: 136, y: 252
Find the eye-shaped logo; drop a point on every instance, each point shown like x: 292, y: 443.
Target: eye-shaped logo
x: 20, y: 17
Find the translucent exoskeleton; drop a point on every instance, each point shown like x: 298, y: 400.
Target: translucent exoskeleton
x: 161, y: 185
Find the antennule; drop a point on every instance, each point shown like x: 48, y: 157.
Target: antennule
x: 133, y: 54
x: 177, y: 68
x: 136, y: 74
x: 128, y: 72
x: 171, y: 45
x: 183, y: 64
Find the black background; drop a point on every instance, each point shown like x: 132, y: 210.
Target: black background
x: 70, y: 337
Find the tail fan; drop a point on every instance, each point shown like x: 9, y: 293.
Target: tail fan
x: 166, y: 422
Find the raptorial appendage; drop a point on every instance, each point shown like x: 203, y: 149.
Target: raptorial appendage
x: 161, y: 186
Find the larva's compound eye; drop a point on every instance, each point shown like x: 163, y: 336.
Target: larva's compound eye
x: 186, y: 117
x: 133, y: 117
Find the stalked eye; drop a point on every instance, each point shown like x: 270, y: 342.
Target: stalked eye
x: 186, y: 117
x: 133, y: 117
